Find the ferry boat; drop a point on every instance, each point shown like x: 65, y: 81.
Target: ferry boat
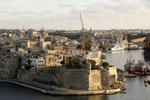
x: 117, y: 47
x: 139, y: 69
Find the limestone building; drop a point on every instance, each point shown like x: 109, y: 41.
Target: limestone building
x: 94, y: 56
x: 53, y: 60
x: 39, y: 42
x: 37, y: 62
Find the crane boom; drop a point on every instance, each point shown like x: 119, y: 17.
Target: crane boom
x: 85, y: 38
x: 82, y: 24
x: 82, y: 33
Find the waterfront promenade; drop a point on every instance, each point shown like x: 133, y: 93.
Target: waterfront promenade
x: 61, y: 91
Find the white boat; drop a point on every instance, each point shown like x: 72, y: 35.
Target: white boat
x: 133, y: 47
x: 117, y: 47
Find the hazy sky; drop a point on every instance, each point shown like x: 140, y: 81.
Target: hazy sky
x: 64, y: 14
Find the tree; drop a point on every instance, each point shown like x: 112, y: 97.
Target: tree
x: 105, y: 65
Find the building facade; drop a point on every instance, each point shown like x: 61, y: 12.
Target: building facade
x: 37, y: 62
x: 53, y: 60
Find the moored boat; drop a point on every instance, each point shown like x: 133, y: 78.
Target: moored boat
x: 139, y: 69
x: 133, y: 47
x: 117, y: 47
x: 103, y: 57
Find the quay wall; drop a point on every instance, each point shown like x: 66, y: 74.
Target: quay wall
x: 76, y: 79
x: 63, y: 93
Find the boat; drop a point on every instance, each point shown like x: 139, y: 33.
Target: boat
x: 139, y: 69
x: 116, y: 47
x: 147, y: 81
x: 133, y: 47
x: 103, y: 57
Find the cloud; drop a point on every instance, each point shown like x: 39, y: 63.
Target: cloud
x: 65, y: 13
x: 66, y: 5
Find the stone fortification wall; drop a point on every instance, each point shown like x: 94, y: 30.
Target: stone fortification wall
x: 95, y: 80
x: 105, y: 79
x: 8, y: 66
x: 76, y: 79
x: 113, y: 71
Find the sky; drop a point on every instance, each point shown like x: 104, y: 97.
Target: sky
x: 65, y: 14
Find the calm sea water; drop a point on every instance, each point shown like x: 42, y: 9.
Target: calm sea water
x: 135, y: 86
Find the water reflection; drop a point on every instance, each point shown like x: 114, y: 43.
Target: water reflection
x: 117, y: 52
x: 147, y: 55
x: 98, y: 97
x: 92, y: 97
x: 119, y: 59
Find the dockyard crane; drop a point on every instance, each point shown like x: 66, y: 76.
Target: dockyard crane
x: 85, y: 39
x: 82, y: 33
x: 82, y: 24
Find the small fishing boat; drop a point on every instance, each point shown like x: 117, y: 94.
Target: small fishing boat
x: 139, y: 69
x: 103, y: 57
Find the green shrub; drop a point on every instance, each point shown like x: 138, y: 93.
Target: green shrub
x: 105, y: 64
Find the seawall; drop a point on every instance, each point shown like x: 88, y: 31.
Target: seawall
x: 62, y: 93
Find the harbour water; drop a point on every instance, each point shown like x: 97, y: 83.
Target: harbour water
x: 135, y: 88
